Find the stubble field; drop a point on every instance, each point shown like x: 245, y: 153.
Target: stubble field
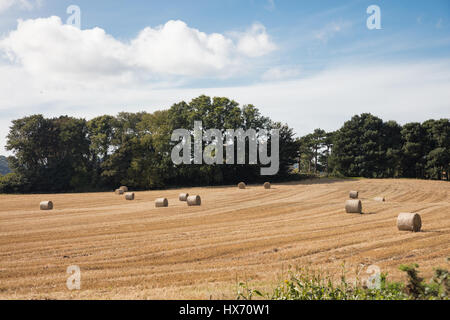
x: 132, y: 250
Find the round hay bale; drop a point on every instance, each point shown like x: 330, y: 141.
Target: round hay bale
x: 353, y: 194
x: 46, y: 205
x: 266, y: 185
x: 119, y: 191
x: 379, y: 199
x: 407, y: 221
x: 124, y: 188
x: 353, y: 206
x: 183, y: 196
x: 161, y: 202
x: 129, y: 196
x: 241, y: 185
x: 194, y: 200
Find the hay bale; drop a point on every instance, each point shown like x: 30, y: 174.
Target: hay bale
x: 183, y: 196
x: 266, y: 185
x: 194, y: 200
x: 124, y: 188
x: 379, y: 199
x: 161, y: 202
x: 46, y: 205
x: 407, y: 221
x: 129, y: 196
x: 241, y: 185
x: 353, y: 206
x: 353, y: 194
x: 119, y: 191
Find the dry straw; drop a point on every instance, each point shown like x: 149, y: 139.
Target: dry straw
x: 379, y: 199
x: 183, y: 196
x: 161, y: 202
x: 353, y: 194
x: 124, y: 188
x: 353, y: 206
x: 266, y: 185
x: 46, y: 205
x: 194, y: 200
x: 129, y: 196
x: 241, y: 185
x: 407, y: 221
x: 119, y: 191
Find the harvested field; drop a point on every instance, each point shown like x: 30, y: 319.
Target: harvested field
x: 132, y: 250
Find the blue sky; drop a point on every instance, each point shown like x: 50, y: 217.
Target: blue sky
x: 410, y: 29
x: 307, y: 63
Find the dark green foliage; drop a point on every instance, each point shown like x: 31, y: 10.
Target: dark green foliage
x: 414, y: 150
x: 50, y: 154
x: 391, y: 147
x: 415, y: 286
x: 361, y: 147
x: 315, y: 150
x: 438, y: 147
x: 12, y: 183
x: 366, y: 146
x: 133, y: 149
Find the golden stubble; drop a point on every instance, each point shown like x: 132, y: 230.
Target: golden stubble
x: 132, y: 250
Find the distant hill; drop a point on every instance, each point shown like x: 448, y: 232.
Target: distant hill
x: 4, y: 169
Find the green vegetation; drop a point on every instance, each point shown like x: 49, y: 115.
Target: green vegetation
x: 304, y: 284
x: 367, y: 147
x: 133, y: 149
x: 69, y: 154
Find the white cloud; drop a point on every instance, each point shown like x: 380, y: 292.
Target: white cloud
x: 46, y: 47
x: 402, y: 92
x: 176, y: 49
x: 255, y: 42
x: 281, y: 73
x: 22, y: 4
x: 49, y: 49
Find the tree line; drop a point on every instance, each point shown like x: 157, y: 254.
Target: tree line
x: 70, y: 154
x: 366, y: 146
x: 134, y: 149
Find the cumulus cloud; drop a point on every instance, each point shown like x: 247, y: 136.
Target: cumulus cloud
x: 47, y: 47
x: 176, y: 49
x: 255, y: 42
x: 22, y: 4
